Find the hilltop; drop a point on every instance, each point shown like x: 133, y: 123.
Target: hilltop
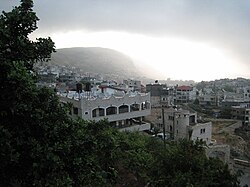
x: 95, y: 59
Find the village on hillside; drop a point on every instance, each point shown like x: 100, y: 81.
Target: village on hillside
x: 216, y: 112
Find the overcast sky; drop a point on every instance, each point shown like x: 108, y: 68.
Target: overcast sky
x: 221, y: 27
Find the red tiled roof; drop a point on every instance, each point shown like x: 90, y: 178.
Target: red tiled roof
x: 184, y: 88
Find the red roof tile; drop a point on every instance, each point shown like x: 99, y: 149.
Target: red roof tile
x: 186, y: 88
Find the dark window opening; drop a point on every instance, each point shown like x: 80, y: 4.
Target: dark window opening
x: 111, y: 110
x: 123, y: 109
x: 75, y: 110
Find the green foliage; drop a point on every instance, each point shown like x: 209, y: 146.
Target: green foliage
x: 185, y: 164
x: 133, y: 159
x: 226, y: 113
x: 15, y: 45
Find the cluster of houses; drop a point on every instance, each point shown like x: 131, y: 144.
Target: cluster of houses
x: 156, y: 109
x: 128, y: 106
x: 238, y: 101
x: 129, y: 101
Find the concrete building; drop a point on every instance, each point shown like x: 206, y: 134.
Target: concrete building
x: 124, y: 111
x: 242, y: 112
x: 155, y: 91
x: 168, y: 97
x: 241, y: 97
x: 135, y: 84
x: 201, y: 131
x: 246, y: 93
x: 208, y: 100
x: 181, y: 124
x: 183, y: 94
x: 161, y: 95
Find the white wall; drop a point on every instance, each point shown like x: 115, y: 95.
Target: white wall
x: 202, y: 131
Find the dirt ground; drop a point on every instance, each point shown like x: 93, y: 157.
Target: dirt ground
x: 223, y: 133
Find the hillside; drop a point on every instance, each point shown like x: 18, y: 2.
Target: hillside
x: 95, y: 59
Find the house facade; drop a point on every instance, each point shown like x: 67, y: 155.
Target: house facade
x: 135, y: 84
x: 183, y: 94
x: 122, y: 111
x: 242, y: 112
x: 182, y: 124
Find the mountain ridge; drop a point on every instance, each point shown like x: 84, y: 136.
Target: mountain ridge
x: 95, y: 59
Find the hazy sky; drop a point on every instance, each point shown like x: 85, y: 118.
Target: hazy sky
x: 179, y: 39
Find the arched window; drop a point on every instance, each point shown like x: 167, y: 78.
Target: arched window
x: 123, y: 109
x: 134, y: 107
x: 111, y: 110
x: 97, y: 112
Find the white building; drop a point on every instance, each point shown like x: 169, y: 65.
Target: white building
x: 242, y: 112
x: 135, y: 84
x: 181, y: 124
x: 208, y: 99
x: 247, y: 94
x: 125, y: 111
x: 184, y: 94
x: 202, y: 131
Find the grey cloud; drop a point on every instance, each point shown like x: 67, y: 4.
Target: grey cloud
x: 221, y: 22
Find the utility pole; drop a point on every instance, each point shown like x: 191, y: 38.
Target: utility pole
x: 173, y: 125
x: 164, y: 129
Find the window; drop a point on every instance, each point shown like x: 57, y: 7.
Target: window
x: 202, y: 131
x: 111, y: 110
x: 75, y: 110
x: 97, y: 112
x: 134, y: 107
x: 123, y: 109
x: 86, y: 113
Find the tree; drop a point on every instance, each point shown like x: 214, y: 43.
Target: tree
x: 40, y: 145
x: 184, y: 163
x: 15, y: 45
